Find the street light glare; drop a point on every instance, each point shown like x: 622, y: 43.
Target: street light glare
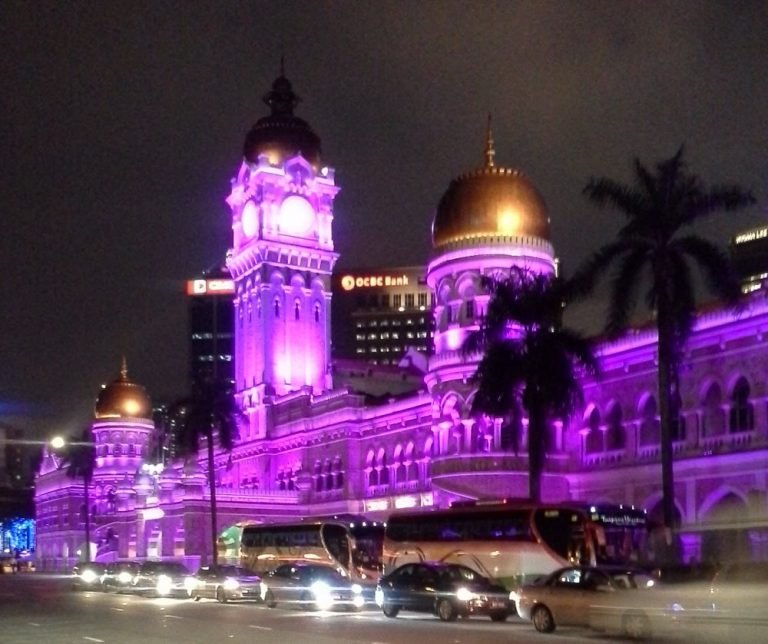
x: 58, y: 442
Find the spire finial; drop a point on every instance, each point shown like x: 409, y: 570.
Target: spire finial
x: 489, y: 150
x: 124, y: 369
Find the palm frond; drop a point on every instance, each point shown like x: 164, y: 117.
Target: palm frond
x: 715, y: 265
x: 624, y: 288
x: 719, y: 198
x: 606, y: 192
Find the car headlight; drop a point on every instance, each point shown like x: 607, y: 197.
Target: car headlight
x: 164, y: 585
x: 465, y: 595
x: 357, y: 589
x: 231, y: 584
x: 88, y: 576
x: 322, y: 593
x: 379, y: 597
x: 124, y: 577
x: 675, y: 608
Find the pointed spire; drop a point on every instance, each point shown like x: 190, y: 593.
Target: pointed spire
x: 490, y: 152
x: 281, y: 98
x: 124, y: 369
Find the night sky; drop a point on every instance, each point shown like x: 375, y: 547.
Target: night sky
x: 121, y: 124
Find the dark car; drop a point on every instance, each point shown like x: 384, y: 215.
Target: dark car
x: 162, y: 579
x: 87, y: 576
x: 225, y: 583
x: 118, y: 576
x: 312, y: 586
x: 445, y: 590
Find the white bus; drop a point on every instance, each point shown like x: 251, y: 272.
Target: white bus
x: 353, y: 547
x: 516, y: 541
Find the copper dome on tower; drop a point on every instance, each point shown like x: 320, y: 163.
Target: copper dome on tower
x: 490, y: 201
x: 281, y: 134
x: 123, y: 398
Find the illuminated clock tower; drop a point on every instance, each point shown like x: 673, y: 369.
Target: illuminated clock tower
x: 282, y: 258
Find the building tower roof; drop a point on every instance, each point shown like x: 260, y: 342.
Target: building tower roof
x: 123, y: 398
x: 490, y: 201
x: 281, y: 134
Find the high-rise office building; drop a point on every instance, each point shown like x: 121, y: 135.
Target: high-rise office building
x: 380, y: 314
x: 211, y: 326
x: 749, y: 253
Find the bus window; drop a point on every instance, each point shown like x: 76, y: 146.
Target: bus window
x: 337, y: 543
x: 560, y: 530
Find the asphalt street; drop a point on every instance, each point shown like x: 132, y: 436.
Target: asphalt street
x: 37, y: 608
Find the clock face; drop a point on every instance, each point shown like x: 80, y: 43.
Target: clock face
x: 297, y: 216
x: 249, y: 219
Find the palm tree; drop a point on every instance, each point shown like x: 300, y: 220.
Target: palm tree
x: 529, y: 360
x: 79, y: 459
x: 657, y: 208
x: 210, y: 413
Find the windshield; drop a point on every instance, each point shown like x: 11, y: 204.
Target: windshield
x: 460, y: 574
x: 368, y: 546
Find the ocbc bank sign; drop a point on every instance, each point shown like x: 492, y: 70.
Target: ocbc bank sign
x: 350, y: 282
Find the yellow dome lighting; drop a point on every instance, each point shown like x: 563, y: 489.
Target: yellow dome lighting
x: 123, y: 398
x: 490, y: 202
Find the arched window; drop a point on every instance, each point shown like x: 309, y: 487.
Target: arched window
x: 593, y: 442
x: 412, y: 472
x: 383, y: 469
x: 319, y: 480
x: 250, y: 313
x: 297, y: 310
x: 338, y: 473
x: 373, y: 473
x: 400, y: 471
x: 329, y: 478
x: 281, y: 481
x: 469, y: 309
x: 649, y: 422
x: 277, y: 308
x: 317, y: 313
x: 712, y: 414
x: 615, y: 435
x: 742, y: 416
x: 258, y: 307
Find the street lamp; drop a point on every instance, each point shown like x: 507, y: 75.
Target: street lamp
x: 79, y: 458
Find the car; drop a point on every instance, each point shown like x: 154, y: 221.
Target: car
x: 87, y: 576
x: 567, y: 596
x: 118, y: 576
x: 162, y: 579
x: 225, y: 583
x: 443, y: 589
x: 739, y: 596
x: 312, y: 586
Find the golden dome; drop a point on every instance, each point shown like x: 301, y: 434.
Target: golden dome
x: 123, y: 398
x: 490, y: 202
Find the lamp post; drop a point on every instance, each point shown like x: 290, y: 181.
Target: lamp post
x: 79, y: 457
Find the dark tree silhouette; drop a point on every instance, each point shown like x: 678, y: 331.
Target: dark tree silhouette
x: 651, y: 250
x: 529, y: 360
x: 209, y: 414
x: 78, y: 458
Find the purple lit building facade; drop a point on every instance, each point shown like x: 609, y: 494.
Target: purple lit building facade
x: 312, y: 447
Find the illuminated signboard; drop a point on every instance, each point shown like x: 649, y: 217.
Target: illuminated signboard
x: 210, y: 287
x: 350, y: 282
x: 752, y: 235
